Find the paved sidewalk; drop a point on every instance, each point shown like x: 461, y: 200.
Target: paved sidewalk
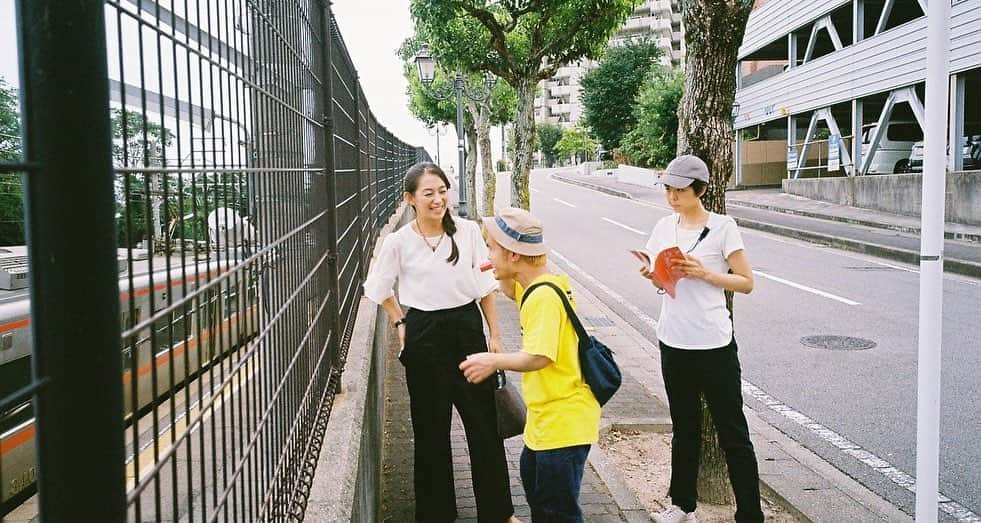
x: 870, y: 232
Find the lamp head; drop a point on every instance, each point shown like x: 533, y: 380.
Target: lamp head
x: 426, y: 65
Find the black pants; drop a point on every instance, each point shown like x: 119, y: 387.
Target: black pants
x: 714, y: 373
x: 435, y: 344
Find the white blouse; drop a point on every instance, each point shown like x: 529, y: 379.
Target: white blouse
x: 426, y: 281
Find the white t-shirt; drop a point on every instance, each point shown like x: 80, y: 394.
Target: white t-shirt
x: 697, y: 318
x: 426, y: 281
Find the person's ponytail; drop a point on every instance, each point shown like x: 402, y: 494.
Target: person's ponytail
x: 450, y: 227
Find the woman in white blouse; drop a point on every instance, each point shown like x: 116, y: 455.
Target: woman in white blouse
x: 435, y: 261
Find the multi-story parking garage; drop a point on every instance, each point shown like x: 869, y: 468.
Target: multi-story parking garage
x: 834, y: 88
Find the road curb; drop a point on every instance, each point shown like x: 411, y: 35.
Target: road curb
x: 971, y: 237
x: 961, y: 267
x: 629, y: 504
x: 592, y: 186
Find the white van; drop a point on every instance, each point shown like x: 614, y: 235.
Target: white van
x: 892, y: 155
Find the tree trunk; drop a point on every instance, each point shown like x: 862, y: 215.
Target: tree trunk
x: 480, y: 113
x: 524, y: 139
x: 486, y: 161
x: 471, y: 170
x: 713, y: 33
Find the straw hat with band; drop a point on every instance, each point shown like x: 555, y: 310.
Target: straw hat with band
x: 518, y: 231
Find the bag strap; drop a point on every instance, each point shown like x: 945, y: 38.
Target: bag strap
x: 580, y: 330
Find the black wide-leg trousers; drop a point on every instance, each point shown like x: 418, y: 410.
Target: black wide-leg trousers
x: 435, y: 344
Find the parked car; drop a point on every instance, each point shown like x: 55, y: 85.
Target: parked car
x: 970, y: 152
x: 892, y: 155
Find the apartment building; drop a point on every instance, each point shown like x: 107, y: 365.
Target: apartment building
x: 835, y: 88
x: 660, y: 20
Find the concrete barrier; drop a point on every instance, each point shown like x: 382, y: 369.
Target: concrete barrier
x: 347, y: 479
x: 635, y: 175
x: 896, y: 193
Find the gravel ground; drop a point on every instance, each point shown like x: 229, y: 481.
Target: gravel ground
x: 644, y: 460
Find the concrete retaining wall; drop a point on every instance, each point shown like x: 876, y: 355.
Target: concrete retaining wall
x: 635, y: 175
x: 347, y: 480
x: 896, y: 193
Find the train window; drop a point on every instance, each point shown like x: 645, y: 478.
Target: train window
x: 170, y: 329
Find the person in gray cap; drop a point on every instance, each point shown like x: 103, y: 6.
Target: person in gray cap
x: 563, y: 415
x: 695, y: 334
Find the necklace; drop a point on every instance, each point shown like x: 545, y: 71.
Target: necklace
x: 701, y: 236
x: 422, y: 235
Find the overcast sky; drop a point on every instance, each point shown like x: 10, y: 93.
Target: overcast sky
x: 372, y: 31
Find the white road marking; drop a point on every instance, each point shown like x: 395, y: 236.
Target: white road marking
x: 532, y: 189
x: 563, y: 202
x: 883, y: 467
x: 629, y: 228
x: 812, y: 290
x: 619, y: 299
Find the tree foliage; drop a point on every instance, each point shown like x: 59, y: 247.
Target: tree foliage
x: 136, y: 142
x: 575, y: 141
x: 11, y: 185
x: 654, y: 139
x: 608, y: 92
x: 520, y: 42
x: 548, y: 136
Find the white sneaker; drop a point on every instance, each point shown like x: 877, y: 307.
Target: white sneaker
x: 675, y: 515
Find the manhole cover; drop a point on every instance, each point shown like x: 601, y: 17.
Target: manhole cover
x: 837, y: 342
x: 597, y: 321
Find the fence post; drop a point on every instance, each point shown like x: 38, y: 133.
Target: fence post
x: 330, y: 179
x: 72, y: 245
x: 362, y: 248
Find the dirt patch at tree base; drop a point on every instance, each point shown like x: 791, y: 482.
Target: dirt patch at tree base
x: 644, y: 460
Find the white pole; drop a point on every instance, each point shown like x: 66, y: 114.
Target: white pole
x: 931, y: 262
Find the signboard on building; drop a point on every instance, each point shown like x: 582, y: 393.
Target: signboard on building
x: 834, y: 153
x: 791, y: 158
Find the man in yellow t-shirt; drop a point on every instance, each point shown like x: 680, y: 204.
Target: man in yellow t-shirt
x: 563, y: 415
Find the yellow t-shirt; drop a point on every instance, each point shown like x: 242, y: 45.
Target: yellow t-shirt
x: 562, y: 411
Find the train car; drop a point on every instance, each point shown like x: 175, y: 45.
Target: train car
x: 165, y: 343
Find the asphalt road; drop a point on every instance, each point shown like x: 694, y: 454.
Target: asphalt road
x: 855, y: 408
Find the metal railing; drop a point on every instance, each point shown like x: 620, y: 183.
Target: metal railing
x: 199, y: 228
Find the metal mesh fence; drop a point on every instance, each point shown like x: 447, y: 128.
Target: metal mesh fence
x: 249, y: 181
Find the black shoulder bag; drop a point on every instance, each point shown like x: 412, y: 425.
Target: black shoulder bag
x: 599, y: 370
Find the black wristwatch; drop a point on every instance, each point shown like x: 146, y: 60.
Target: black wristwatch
x: 398, y: 322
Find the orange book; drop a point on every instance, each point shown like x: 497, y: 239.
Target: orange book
x: 660, y: 266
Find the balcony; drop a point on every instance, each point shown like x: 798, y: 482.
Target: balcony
x: 661, y: 25
x: 560, y: 90
x: 634, y: 25
x: 557, y: 109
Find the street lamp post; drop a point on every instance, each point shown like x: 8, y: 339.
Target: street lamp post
x: 437, y: 131
x: 427, y: 73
